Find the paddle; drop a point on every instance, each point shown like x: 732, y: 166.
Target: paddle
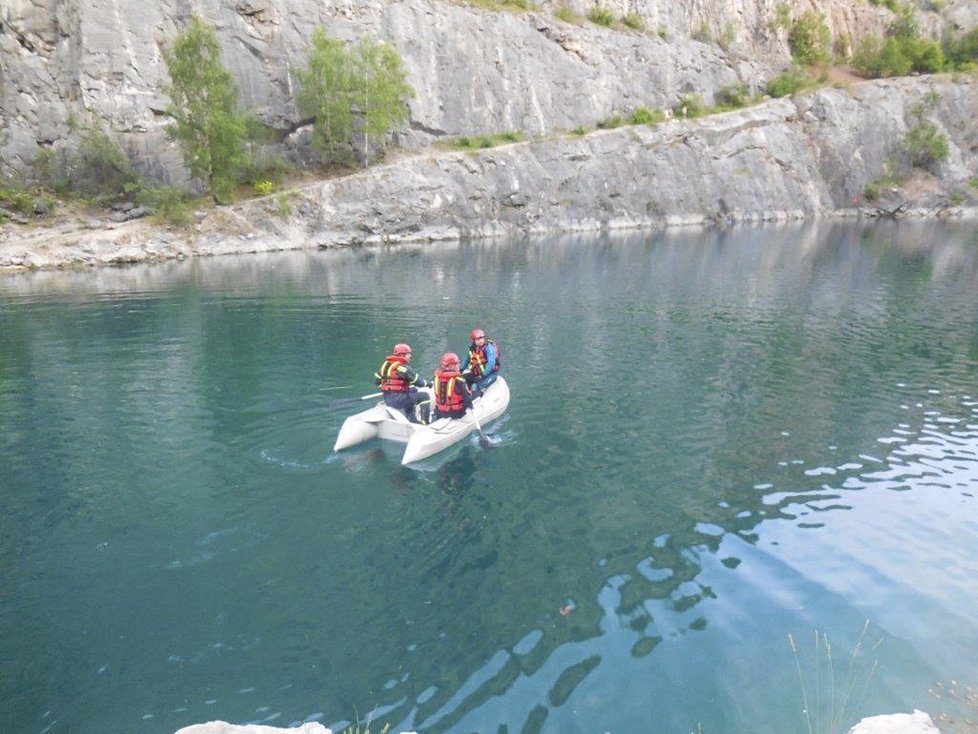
x: 344, y: 402
x: 482, y: 437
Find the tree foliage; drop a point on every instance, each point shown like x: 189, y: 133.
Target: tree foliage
x: 809, y: 38
x: 351, y: 90
x: 324, y: 95
x: 208, y: 125
x: 903, y: 50
x: 963, y: 50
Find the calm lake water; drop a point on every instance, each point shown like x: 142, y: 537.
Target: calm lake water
x: 718, y: 444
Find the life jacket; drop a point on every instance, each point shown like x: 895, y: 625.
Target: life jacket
x: 447, y: 398
x: 477, y: 358
x: 391, y: 380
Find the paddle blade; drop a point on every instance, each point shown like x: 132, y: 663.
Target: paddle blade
x: 483, y: 441
x: 347, y: 402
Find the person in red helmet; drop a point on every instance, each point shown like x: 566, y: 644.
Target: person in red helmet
x: 452, y: 395
x: 481, y: 366
x: 399, y: 383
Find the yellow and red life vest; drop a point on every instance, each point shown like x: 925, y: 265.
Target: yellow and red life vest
x: 447, y: 398
x: 477, y: 358
x: 391, y: 378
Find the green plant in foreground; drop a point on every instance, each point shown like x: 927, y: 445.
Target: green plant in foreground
x: 365, y: 729
x: 826, y: 706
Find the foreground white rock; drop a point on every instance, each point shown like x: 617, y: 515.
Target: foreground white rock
x: 222, y: 727
x: 916, y: 723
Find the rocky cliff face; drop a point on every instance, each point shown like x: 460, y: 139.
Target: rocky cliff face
x: 809, y: 157
x: 66, y: 64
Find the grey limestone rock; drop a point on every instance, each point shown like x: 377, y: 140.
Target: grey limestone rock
x: 68, y: 64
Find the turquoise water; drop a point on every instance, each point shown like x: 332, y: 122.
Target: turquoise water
x: 716, y: 440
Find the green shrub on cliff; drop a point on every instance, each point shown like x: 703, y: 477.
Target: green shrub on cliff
x: 733, y: 96
x: 24, y: 202
x: 809, y: 38
x: 346, y: 90
x: 100, y: 170
x: 788, y: 82
x: 962, y: 51
x: 902, y: 51
x: 926, y: 146
x: 211, y: 130
x: 601, y: 16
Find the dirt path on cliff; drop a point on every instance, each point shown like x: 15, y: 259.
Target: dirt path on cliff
x: 843, y: 76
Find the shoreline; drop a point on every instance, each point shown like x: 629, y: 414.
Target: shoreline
x: 66, y: 248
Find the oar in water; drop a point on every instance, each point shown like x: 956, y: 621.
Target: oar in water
x: 482, y: 436
x: 344, y: 402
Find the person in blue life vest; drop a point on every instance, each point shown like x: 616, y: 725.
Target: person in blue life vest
x: 399, y: 383
x: 481, y: 366
x: 452, y: 395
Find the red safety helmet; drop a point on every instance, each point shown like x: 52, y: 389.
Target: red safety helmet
x: 477, y: 334
x: 449, y: 360
x: 400, y: 350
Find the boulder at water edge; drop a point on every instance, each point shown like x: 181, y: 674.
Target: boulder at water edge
x: 916, y: 723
